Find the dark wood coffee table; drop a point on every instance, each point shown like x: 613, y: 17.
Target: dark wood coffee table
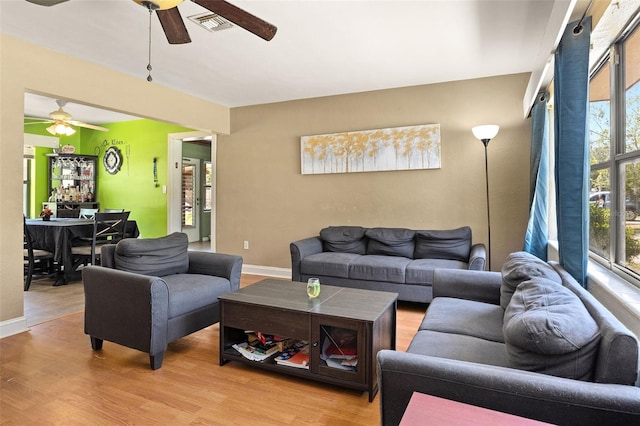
x: 283, y: 308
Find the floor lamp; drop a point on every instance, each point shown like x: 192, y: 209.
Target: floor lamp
x: 485, y: 133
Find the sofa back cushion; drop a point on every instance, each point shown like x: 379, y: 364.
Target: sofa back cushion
x: 154, y: 256
x: 453, y: 244
x: 391, y: 242
x: 547, y: 329
x: 522, y: 266
x: 344, y: 239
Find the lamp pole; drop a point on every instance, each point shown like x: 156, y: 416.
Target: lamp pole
x: 485, y: 133
x: 485, y: 142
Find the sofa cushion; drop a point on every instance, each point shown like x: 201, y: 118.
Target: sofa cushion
x: 153, y: 256
x: 468, y: 317
x: 391, y: 242
x: 379, y: 268
x: 452, y: 244
x: 329, y: 264
x: 547, y: 329
x: 344, y: 239
x: 420, y: 271
x: 522, y: 266
x: 189, y: 292
x: 618, y: 351
x: 458, y: 347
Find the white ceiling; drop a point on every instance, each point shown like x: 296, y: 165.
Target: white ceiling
x: 322, y: 47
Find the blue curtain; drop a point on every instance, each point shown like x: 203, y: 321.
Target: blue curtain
x: 536, y: 237
x: 571, y: 89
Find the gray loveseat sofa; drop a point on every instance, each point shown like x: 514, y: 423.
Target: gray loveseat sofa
x: 387, y: 259
x: 150, y: 292
x: 529, y: 342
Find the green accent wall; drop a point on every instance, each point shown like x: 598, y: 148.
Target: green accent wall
x: 132, y: 188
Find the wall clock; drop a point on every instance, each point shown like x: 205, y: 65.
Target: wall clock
x: 112, y: 160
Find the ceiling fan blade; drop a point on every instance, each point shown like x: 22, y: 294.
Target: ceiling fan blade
x: 46, y: 2
x: 38, y: 122
x: 40, y: 119
x: 87, y: 126
x: 241, y: 18
x: 173, y: 26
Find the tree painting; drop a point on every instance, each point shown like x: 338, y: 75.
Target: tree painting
x: 398, y: 148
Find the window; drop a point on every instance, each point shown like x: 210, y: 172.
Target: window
x: 208, y: 171
x: 614, y: 141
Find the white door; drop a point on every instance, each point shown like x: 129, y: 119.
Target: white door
x: 191, y: 198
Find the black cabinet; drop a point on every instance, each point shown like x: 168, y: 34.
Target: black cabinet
x: 72, y: 183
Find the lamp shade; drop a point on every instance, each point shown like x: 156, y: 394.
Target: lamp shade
x: 487, y: 131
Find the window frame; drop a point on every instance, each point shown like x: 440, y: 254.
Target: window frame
x: 618, y: 158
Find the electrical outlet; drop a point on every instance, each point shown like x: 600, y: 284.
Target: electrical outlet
x: 246, y: 245
x: 164, y: 189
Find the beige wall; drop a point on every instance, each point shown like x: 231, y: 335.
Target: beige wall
x: 263, y: 198
x: 25, y: 67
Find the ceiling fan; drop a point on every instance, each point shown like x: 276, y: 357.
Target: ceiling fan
x: 173, y: 25
x: 63, y: 121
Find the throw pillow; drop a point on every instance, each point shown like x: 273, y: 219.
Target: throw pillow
x: 391, y: 242
x: 454, y: 244
x: 153, y: 256
x: 344, y: 239
x: 548, y: 329
x: 522, y: 266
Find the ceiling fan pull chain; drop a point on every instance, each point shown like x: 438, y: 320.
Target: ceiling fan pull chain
x: 149, y: 78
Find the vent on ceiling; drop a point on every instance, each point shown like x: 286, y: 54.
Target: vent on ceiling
x: 211, y: 22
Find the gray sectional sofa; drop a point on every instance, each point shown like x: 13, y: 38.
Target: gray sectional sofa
x: 530, y: 342
x: 387, y: 259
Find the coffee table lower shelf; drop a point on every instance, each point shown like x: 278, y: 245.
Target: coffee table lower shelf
x: 269, y: 364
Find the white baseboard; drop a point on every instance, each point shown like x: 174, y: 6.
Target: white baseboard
x: 13, y: 326
x: 269, y: 271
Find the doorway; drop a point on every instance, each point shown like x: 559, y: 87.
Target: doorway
x: 174, y: 182
x: 190, y: 204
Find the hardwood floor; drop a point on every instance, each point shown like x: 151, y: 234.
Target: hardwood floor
x: 50, y: 375
x: 43, y: 302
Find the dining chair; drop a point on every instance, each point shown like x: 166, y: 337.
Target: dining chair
x: 108, y: 228
x: 113, y: 210
x: 35, y: 260
x: 87, y: 213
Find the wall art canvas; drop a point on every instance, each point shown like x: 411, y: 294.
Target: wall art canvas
x: 397, y: 148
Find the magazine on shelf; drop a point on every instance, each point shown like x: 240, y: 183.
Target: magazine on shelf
x: 249, y: 352
x: 344, y: 358
x: 296, y: 356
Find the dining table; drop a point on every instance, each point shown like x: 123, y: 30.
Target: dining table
x: 59, y: 235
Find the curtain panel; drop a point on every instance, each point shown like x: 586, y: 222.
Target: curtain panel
x: 571, y: 92
x: 536, y: 238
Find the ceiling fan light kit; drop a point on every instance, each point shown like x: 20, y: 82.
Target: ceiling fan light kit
x: 61, y: 128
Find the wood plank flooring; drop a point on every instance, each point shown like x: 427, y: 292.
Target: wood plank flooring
x: 43, y: 302
x: 50, y: 376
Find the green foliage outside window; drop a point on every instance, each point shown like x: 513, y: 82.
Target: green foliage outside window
x: 600, y: 220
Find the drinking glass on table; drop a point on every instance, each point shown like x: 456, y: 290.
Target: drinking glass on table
x: 313, y: 287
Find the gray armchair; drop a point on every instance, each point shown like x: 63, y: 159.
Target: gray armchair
x: 150, y: 292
